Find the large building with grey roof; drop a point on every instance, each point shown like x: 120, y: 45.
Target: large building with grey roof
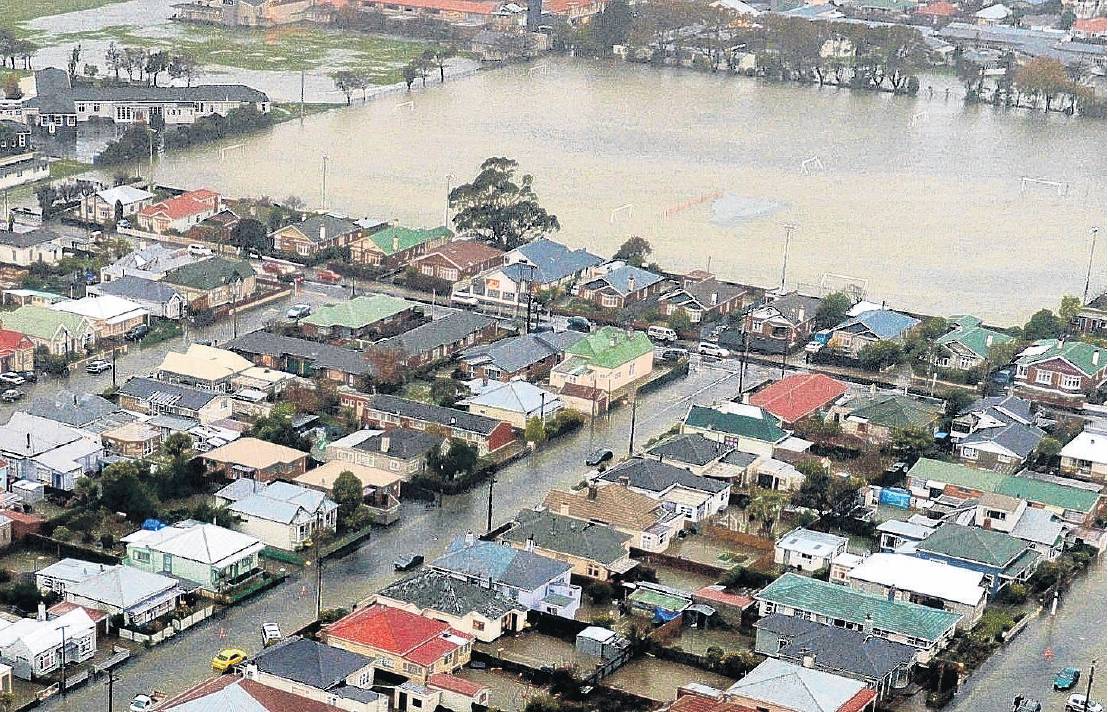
x: 596, y: 551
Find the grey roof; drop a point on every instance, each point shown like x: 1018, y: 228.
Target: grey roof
x: 837, y: 650
x: 72, y: 570
x: 445, y: 331
x: 280, y: 502
x: 703, y: 290
x: 148, y: 389
x: 623, y: 278
x: 566, y: 535
x: 790, y: 306
x: 426, y: 412
x: 54, y: 95
x: 404, y: 443
x: 1017, y: 438
x: 553, y: 261
x: 132, y: 287
x: 519, y: 352
x: 122, y: 586
x: 692, y: 449
x: 740, y: 458
x: 1004, y: 408
x: 322, y: 355
x: 439, y: 591
x: 51, y: 92
x: 27, y: 239
x: 1039, y: 526
x: 795, y: 687
x: 501, y: 563
x: 659, y: 476
x: 310, y: 663
x: 76, y: 409
x: 882, y: 323
x: 333, y: 226
x: 807, y: 541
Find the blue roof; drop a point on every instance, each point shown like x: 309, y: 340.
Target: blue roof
x: 883, y: 323
x: 501, y: 563
x: 618, y: 279
x: 552, y: 260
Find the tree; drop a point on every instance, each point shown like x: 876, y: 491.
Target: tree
x: 910, y: 442
x: 11, y: 87
x: 1043, y: 324
x: 347, y: 494
x: 183, y: 66
x: 74, y: 61
x: 832, y: 310
x: 957, y: 400
x: 345, y: 81
x: 679, y: 320
x: 156, y: 63
x: 387, y: 367
x: 176, y: 445
x: 445, y: 391
x: 459, y: 460
x: 440, y: 55
x: 122, y: 491
x: 610, y: 27
x: 250, y: 235
x: 1047, y: 449
x: 114, y: 59
x: 497, y: 209
x: 879, y: 355
x: 534, y: 432
x: 410, y: 73
x: 1043, y: 76
x: 1002, y: 353
x: 91, y: 70
x: 277, y: 428
x: 765, y: 509
x: 634, y: 251
x: 1068, y: 310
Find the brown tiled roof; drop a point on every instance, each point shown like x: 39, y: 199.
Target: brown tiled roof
x: 614, y: 505
x: 464, y: 253
x: 268, y: 698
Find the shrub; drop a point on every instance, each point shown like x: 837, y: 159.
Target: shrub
x: 107, y: 541
x: 600, y: 592
x: 330, y: 615
x: 63, y: 533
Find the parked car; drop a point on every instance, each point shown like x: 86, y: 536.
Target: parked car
x: 599, y: 457
x: 29, y: 376
x: 11, y: 395
x: 1002, y: 377
x: 674, y: 354
x: 97, y: 366
x: 271, y: 267
x: 123, y: 223
x: 1066, y: 678
x: 709, y: 349
x: 298, y: 311
x: 137, y: 332
x: 198, y: 250
x: 227, y: 659
x: 271, y: 634
x: 1026, y: 704
x: 406, y: 562
x: 12, y: 378
x: 579, y: 323
x: 662, y: 333
x: 328, y: 276
x: 1076, y: 703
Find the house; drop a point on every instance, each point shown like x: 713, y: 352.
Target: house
x: 36, y: 297
x: 23, y: 249
x: 903, y: 577
x: 380, y: 488
x: 152, y: 263
x: 967, y: 344
x: 621, y: 286
x: 538, y: 582
x: 204, y: 367
x: 808, y: 550
x: 386, y: 412
x: 214, y: 282
x: 36, y: 648
x: 1093, y: 317
x: 1002, y: 558
x: 458, y: 260
x: 316, y: 233
x: 157, y: 298
x: 400, y: 642
x: 15, y: 138
x: 695, y: 697
x: 152, y: 397
x: 400, y: 450
x: 527, y: 357
x: 60, y: 576
x: 302, y: 357
x: 60, y: 333
x: 1041, y: 529
x: 217, y: 228
x: 692, y: 451
x: 882, y: 665
x: 42, y: 450
x: 779, y: 325
x: 82, y: 410
x: 703, y: 298
x: 469, y: 13
x: 992, y: 15
x: 541, y: 264
x: 779, y: 684
x: 741, y: 426
x: 475, y: 609
x: 1086, y: 456
x: 113, y: 204
x: 514, y: 402
x: 894, y: 534
x: 439, y: 339
x: 395, y: 246
x: 215, y: 558
x: 924, y: 628
x: 228, y: 692
x: 695, y: 498
x: 321, y: 673
x: 111, y: 317
x: 876, y: 417
x: 1062, y: 373
x: 134, y: 440
x: 366, y: 316
x: 596, y: 551
x: 139, y: 597
x: 870, y: 327
x: 442, y: 691
x: 650, y: 524
x: 282, y: 515
x: 256, y: 459
x: 17, y: 351
x: 996, y: 432
x: 608, y: 359
x: 798, y: 396
x: 179, y: 213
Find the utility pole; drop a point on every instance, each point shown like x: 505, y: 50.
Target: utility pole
x: 789, y: 227
x: 1089, y: 685
x: 323, y: 184
x: 742, y: 360
x: 61, y: 683
x: 784, y: 356
x: 301, y: 93
x: 1089, y: 273
x: 634, y: 413
x: 318, y: 567
x: 110, y: 684
x: 446, y: 208
x: 114, y: 352
x: 492, y: 481
x: 530, y: 298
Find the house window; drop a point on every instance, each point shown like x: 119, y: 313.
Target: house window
x: 478, y: 625
x: 450, y: 274
x: 1044, y: 377
x: 428, y: 270
x: 1021, y: 371
x: 609, y: 301
x: 965, y: 362
x: 1071, y: 382
x: 969, y: 453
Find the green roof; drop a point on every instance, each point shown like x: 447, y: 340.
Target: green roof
x: 986, y: 546
x: 1087, y: 357
x: 764, y: 426
x: 659, y: 599
x: 209, y: 274
x: 611, y: 347
x: 1050, y: 494
x: 843, y: 603
x: 41, y: 322
x: 969, y: 333
x: 359, y: 312
x: 397, y: 239
x: 895, y: 410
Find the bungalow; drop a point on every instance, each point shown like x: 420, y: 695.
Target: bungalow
x: 608, y: 359
x: 808, y: 550
x: 528, y: 357
x: 111, y: 317
x: 895, y: 533
x: 134, y: 440
x: 703, y: 298
x: 695, y: 498
x: 798, y: 396
x: 967, y: 344
x: 1001, y: 557
x: 876, y: 417
x: 84, y: 410
x: 538, y: 582
x: 1042, y: 529
x: 997, y: 433
x: 440, y: 339
x: 903, y: 577
x: 316, y: 233
x: 157, y: 298
x: 205, y: 367
x: 302, y: 357
x: 255, y: 459
x: 595, y: 551
x: 213, y: 557
x: 36, y: 648
x: 138, y: 597
x: 1060, y: 372
x: 1086, y: 456
x: 59, y: 576
x: 113, y: 204
x: 743, y: 427
x: 42, y: 450
x: 515, y: 402
x: 23, y: 249
x: 152, y: 397
x: 395, y: 246
x: 317, y: 672
x: 227, y: 692
x: 621, y: 286
x: 17, y: 351
x: 384, y: 411
x: 400, y: 642
x: 380, y: 488
x: 870, y: 327
x: 370, y: 315
x: 60, y: 333
x: 152, y: 263
x: 281, y: 515
x: 774, y: 685
x: 399, y: 450
x: 458, y: 260
x: 217, y: 228
x: 651, y: 524
x: 179, y: 213
x: 1093, y: 317
x: 214, y: 282
x: 475, y: 609
x: 924, y: 628
x: 692, y: 451
x: 780, y: 325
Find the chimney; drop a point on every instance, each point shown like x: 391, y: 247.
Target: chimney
x: 322, y: 231
x: 800, y: 315
x: 530, y: 545
x: 28, y: 442
x: 715, y: 298
x: 41, y: 615
x: 867, y: 625
x: 630, y: 283
x: 563, y: 509
x: 453, y: 420
x: 395, y: 243
x: 807, y: 659
x: 470, y: 538
x: 592, y: 492
x: 988, y: 340
x: 384, y: 444
x: 1096, y: 357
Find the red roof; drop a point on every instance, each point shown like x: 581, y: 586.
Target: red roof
x: 62, y: 607
x: 858, y: 702
x: 798, y: 396
x: 711, y: 593
x: 14, y: 341
x: 1091, y: 25
x: 456, y: 684
x: 396, y: 631
x: 464, y: 253
x: 183, y: 205
x: 268, y: 698
x: 564, y: 7
x: 938, y: 9
x: 471, y: 7
x: 693, y: 702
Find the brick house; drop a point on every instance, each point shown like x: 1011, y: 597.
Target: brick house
x: 621, y: 286
x: 17, y: 351
x: 441, y: 338
x: 780, y: 325
x: 1063, y: 373
x: 315, y: 234
x: 396, y: 246
x: 213, y: 282
x: 458, y: 260
x: 1093, y: 317
x: 256, y: 459
x: 703, y: 298
x: 179, y: 213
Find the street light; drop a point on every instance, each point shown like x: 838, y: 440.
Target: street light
x: 1089, y: 273
x: 789, y: 227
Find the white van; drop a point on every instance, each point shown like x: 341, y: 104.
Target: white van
x: 662, y: 333
x: 199, y: 250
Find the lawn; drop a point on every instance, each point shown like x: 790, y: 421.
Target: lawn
x: 17, y: 11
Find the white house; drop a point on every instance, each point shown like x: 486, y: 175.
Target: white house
x: 110, y: 316
x: 694, y: 497
x: 58, y: 577
x: 280, y: 514
x: 902, y: 577
x: 514, y: 402
x: 105, y: 206
x: 24, y: 249
x: 43, y: 450
x: 808, y: 550
x: 157, y: 298
x: 34, y: 647
x: 138, y: 596
x: 211, y: 556
x: 1086, y: 456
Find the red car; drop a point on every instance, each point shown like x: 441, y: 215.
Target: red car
x: 271, y: 267
x: 326, y: 275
